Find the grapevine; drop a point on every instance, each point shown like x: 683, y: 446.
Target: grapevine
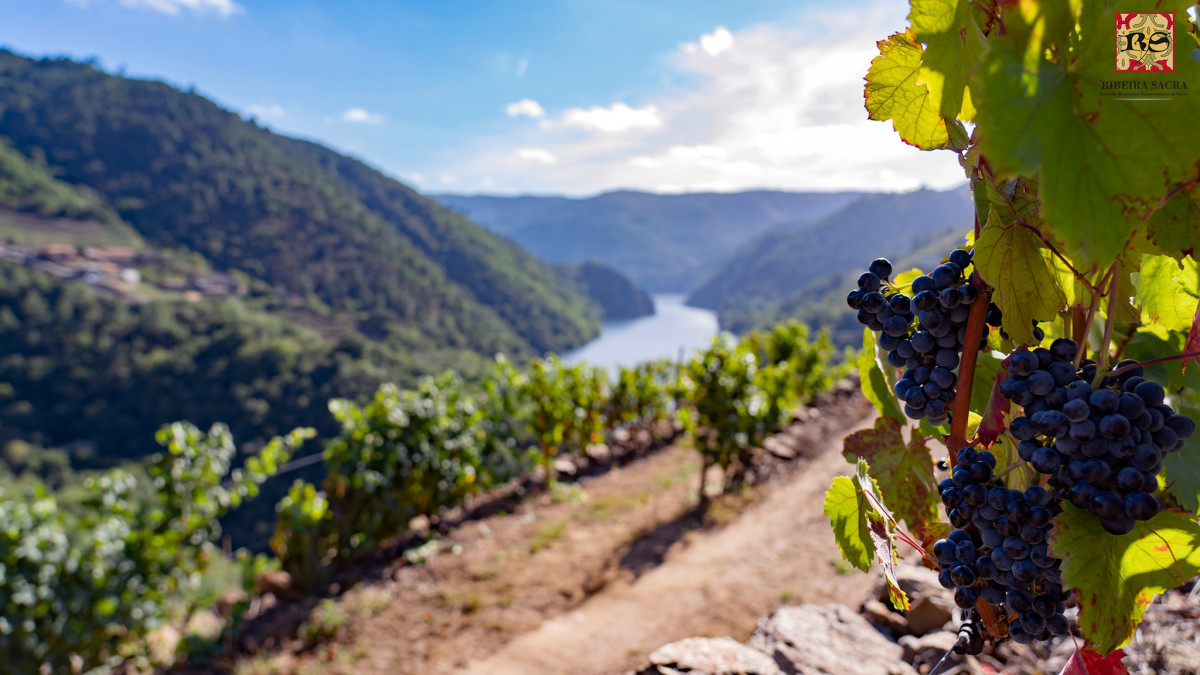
x: 1054, y: 342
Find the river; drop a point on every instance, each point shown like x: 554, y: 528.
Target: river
x: 674, y: 330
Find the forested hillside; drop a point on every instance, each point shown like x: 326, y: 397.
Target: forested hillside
x: 786, y: 259
x: 185, y: 173
x: 667, y: 243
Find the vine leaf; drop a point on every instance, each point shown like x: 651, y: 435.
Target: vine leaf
x: 1175, y: 228
x: 1088, y: 662
x: 862, y: 527
x: 954, y: 46
x: 874, y: 383
x: 1101, y: 159
x: 1010, y: 260
x: 1168, y: 290
x: 1192, y: 344
x: 904, y: 474
x: 893, y: 93
x: 1116, y: 577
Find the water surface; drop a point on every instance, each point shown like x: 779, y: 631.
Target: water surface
x: 674, y: 331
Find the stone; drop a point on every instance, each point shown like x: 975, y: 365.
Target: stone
x: 827, y: 640
x: 564, y: 466
x: 162, y: 643
x: 205, y: 625
x: 598, y: 452
x: 932, y: 605
x: 929, y: 649
x: 781, y: 448
x: 229, y: 599
x: 885, y: 617
x: 276, y: 582
x: 709, y: 656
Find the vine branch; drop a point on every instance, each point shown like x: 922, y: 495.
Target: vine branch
x: 966, y: 370
x: 1149, y: 362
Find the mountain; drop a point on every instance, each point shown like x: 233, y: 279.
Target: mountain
x: 821, y: 303
x: 789, y: 257
x: 666, y: 243
x: 37, y: 208
x: 298, y: 217
x: 613, y: 292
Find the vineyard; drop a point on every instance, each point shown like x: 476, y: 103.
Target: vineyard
x: 84, y: 594
x: 1050, y: 352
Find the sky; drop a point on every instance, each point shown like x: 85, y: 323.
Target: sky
x: 568, y: 97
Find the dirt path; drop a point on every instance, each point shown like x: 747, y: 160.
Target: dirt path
x: 779, y: 548
x: 589, y: 579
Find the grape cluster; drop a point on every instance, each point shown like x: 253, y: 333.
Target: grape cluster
x: 1004, y: 561
x: 940, y: 304
x: 1102, y: 448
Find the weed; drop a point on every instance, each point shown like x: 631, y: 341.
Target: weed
x: 547, y: 534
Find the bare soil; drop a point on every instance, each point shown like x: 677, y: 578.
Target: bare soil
x: 592, y: 578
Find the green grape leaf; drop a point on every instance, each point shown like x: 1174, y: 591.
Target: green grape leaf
x: 874, y: 382
x: 862, y: 527
x: 1101, y: 159
x: 1182, y: 471
x: 1115, y: 578
x: 893, y: 93
x: 1009, y: 258
x: 1175, y: 228
x: 904, y: 474
x: 1168, y: 291
x: 987, y: 367
x: 846, y: 507
x: 954, y: 45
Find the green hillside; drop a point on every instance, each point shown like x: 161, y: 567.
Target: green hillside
x: 821, y: 303
x: 36, y: 208
x: 666, y: 243
x: 186, y: 174
x: 788, y: 258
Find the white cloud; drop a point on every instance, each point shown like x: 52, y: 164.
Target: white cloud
x: 720, y: 40
x: 536, y: 155
x: 360, y: 116
x: 221, y: 8
x: 616, y: 118
x: 266, y: 111
x: 521, y: 66
x: 526, y: 107
x: 784, y: 110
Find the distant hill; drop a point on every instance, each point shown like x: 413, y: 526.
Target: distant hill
x: 613, y: 292
x: 666, y: 243
x: 36, y: 208
x: 821, y: 303
x: 307, y: 221
x: 786, y: 259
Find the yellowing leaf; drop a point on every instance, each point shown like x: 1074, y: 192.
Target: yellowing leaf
x: 893, y: 93
x: 1115, y: 578
x: 954, y: 46
x: 1009, y: 258
x: 1168, y: 290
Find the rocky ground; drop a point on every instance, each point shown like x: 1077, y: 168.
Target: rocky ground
x: 832, y: 639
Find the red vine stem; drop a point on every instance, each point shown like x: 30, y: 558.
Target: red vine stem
x: 1161, y: 359
x: 966, y: 370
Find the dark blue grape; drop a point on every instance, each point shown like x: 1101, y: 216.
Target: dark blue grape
x: 1150, y: 392
x: 923, y: 283
x: 881, y: 268
x: 1141, y: 505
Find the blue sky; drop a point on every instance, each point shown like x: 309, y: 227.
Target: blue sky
x: 569, y: 96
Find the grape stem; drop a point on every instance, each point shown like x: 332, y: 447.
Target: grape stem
x: 1115, y: 276
x: 1162, y: 359
x: 1087, y: 324
x: 966, y: 369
